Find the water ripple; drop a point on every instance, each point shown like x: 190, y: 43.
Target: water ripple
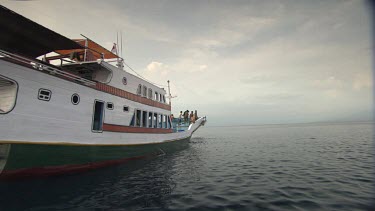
x: 314, y: 167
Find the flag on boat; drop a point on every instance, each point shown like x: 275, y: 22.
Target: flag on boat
x: 114, y: 49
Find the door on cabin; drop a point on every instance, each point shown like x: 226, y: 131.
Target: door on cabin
x: 98, y: 116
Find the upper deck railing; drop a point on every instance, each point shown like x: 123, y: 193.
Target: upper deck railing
x: 38, y: 65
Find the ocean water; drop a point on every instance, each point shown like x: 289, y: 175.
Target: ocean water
x: 277, y: 167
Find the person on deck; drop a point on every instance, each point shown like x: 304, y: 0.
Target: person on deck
x: 192, y: 119
x: 186, y: 116
x: 180, y: 117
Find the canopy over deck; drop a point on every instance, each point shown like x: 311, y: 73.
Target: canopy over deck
x: 93, y: 52
x: 22, y: 36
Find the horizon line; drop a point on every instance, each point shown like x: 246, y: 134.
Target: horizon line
x: 297, y: 123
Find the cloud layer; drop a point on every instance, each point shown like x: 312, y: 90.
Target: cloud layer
x: 237, y: 62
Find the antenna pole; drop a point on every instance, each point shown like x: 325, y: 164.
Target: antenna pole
x: 117, y: 45
x: 169, y: 92
x: 116, y: 42
x: 121, y: 44
x: 119, y: 51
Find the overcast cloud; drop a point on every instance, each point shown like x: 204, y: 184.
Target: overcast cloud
x: 238, y: 62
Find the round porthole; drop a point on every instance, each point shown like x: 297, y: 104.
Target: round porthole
x: 124, y: 80
x: 75, y: 99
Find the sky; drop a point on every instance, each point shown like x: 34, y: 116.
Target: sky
x: 236, y: 62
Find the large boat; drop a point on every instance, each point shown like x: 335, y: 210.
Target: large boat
x: 65, y: 107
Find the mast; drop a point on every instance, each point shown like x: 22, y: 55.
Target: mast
x: 169, y: 93
x: 121, y: 44
x: 120, y: 61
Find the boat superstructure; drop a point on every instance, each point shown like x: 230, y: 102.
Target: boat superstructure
x: 78, y: 113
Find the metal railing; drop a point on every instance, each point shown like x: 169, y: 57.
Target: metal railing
x: 180, y: 125
x: 43, y: 67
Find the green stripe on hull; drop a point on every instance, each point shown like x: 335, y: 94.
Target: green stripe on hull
x: 23, y: 156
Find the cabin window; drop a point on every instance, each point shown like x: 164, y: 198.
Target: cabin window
x: 156, y: 96
x: 126, y: 109
x: 160, y: 121
x: 138, y: 117
x: 150, y: 119
x: 160, y: 98
x: 164, y: 98
x: 139, y: 90
x: 124, y: 81
x: 132, y: 122
x: 144, y: 119
x: 150, y: 93
x: 8, y: 95
x: 75, y: 99
x: 164, y: 121
x: 155, y: 120
x: 110, y: 106
x: 44, y: 94
x: 144, y: 91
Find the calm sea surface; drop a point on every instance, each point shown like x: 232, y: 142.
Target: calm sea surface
x: 281, y: 167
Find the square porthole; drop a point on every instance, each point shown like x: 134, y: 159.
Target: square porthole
x: 126, y: 109
x: 144, y: 91
x: 150, y: 93
x: 110, y: 106
x: 139, y: 90
x: 156, y: 96
x: 44, y: 94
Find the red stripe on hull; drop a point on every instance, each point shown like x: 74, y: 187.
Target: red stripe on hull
x: 63, y: 169
x: 130, y: 96
x: 127, y: 129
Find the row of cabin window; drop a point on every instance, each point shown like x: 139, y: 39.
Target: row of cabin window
x: 111, y: 106
x: 150, y: 120
x: 142, y: 90
x: 45, y: 95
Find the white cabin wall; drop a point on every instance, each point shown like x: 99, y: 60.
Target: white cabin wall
x: 132, y: 81
x: 58, y: 120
